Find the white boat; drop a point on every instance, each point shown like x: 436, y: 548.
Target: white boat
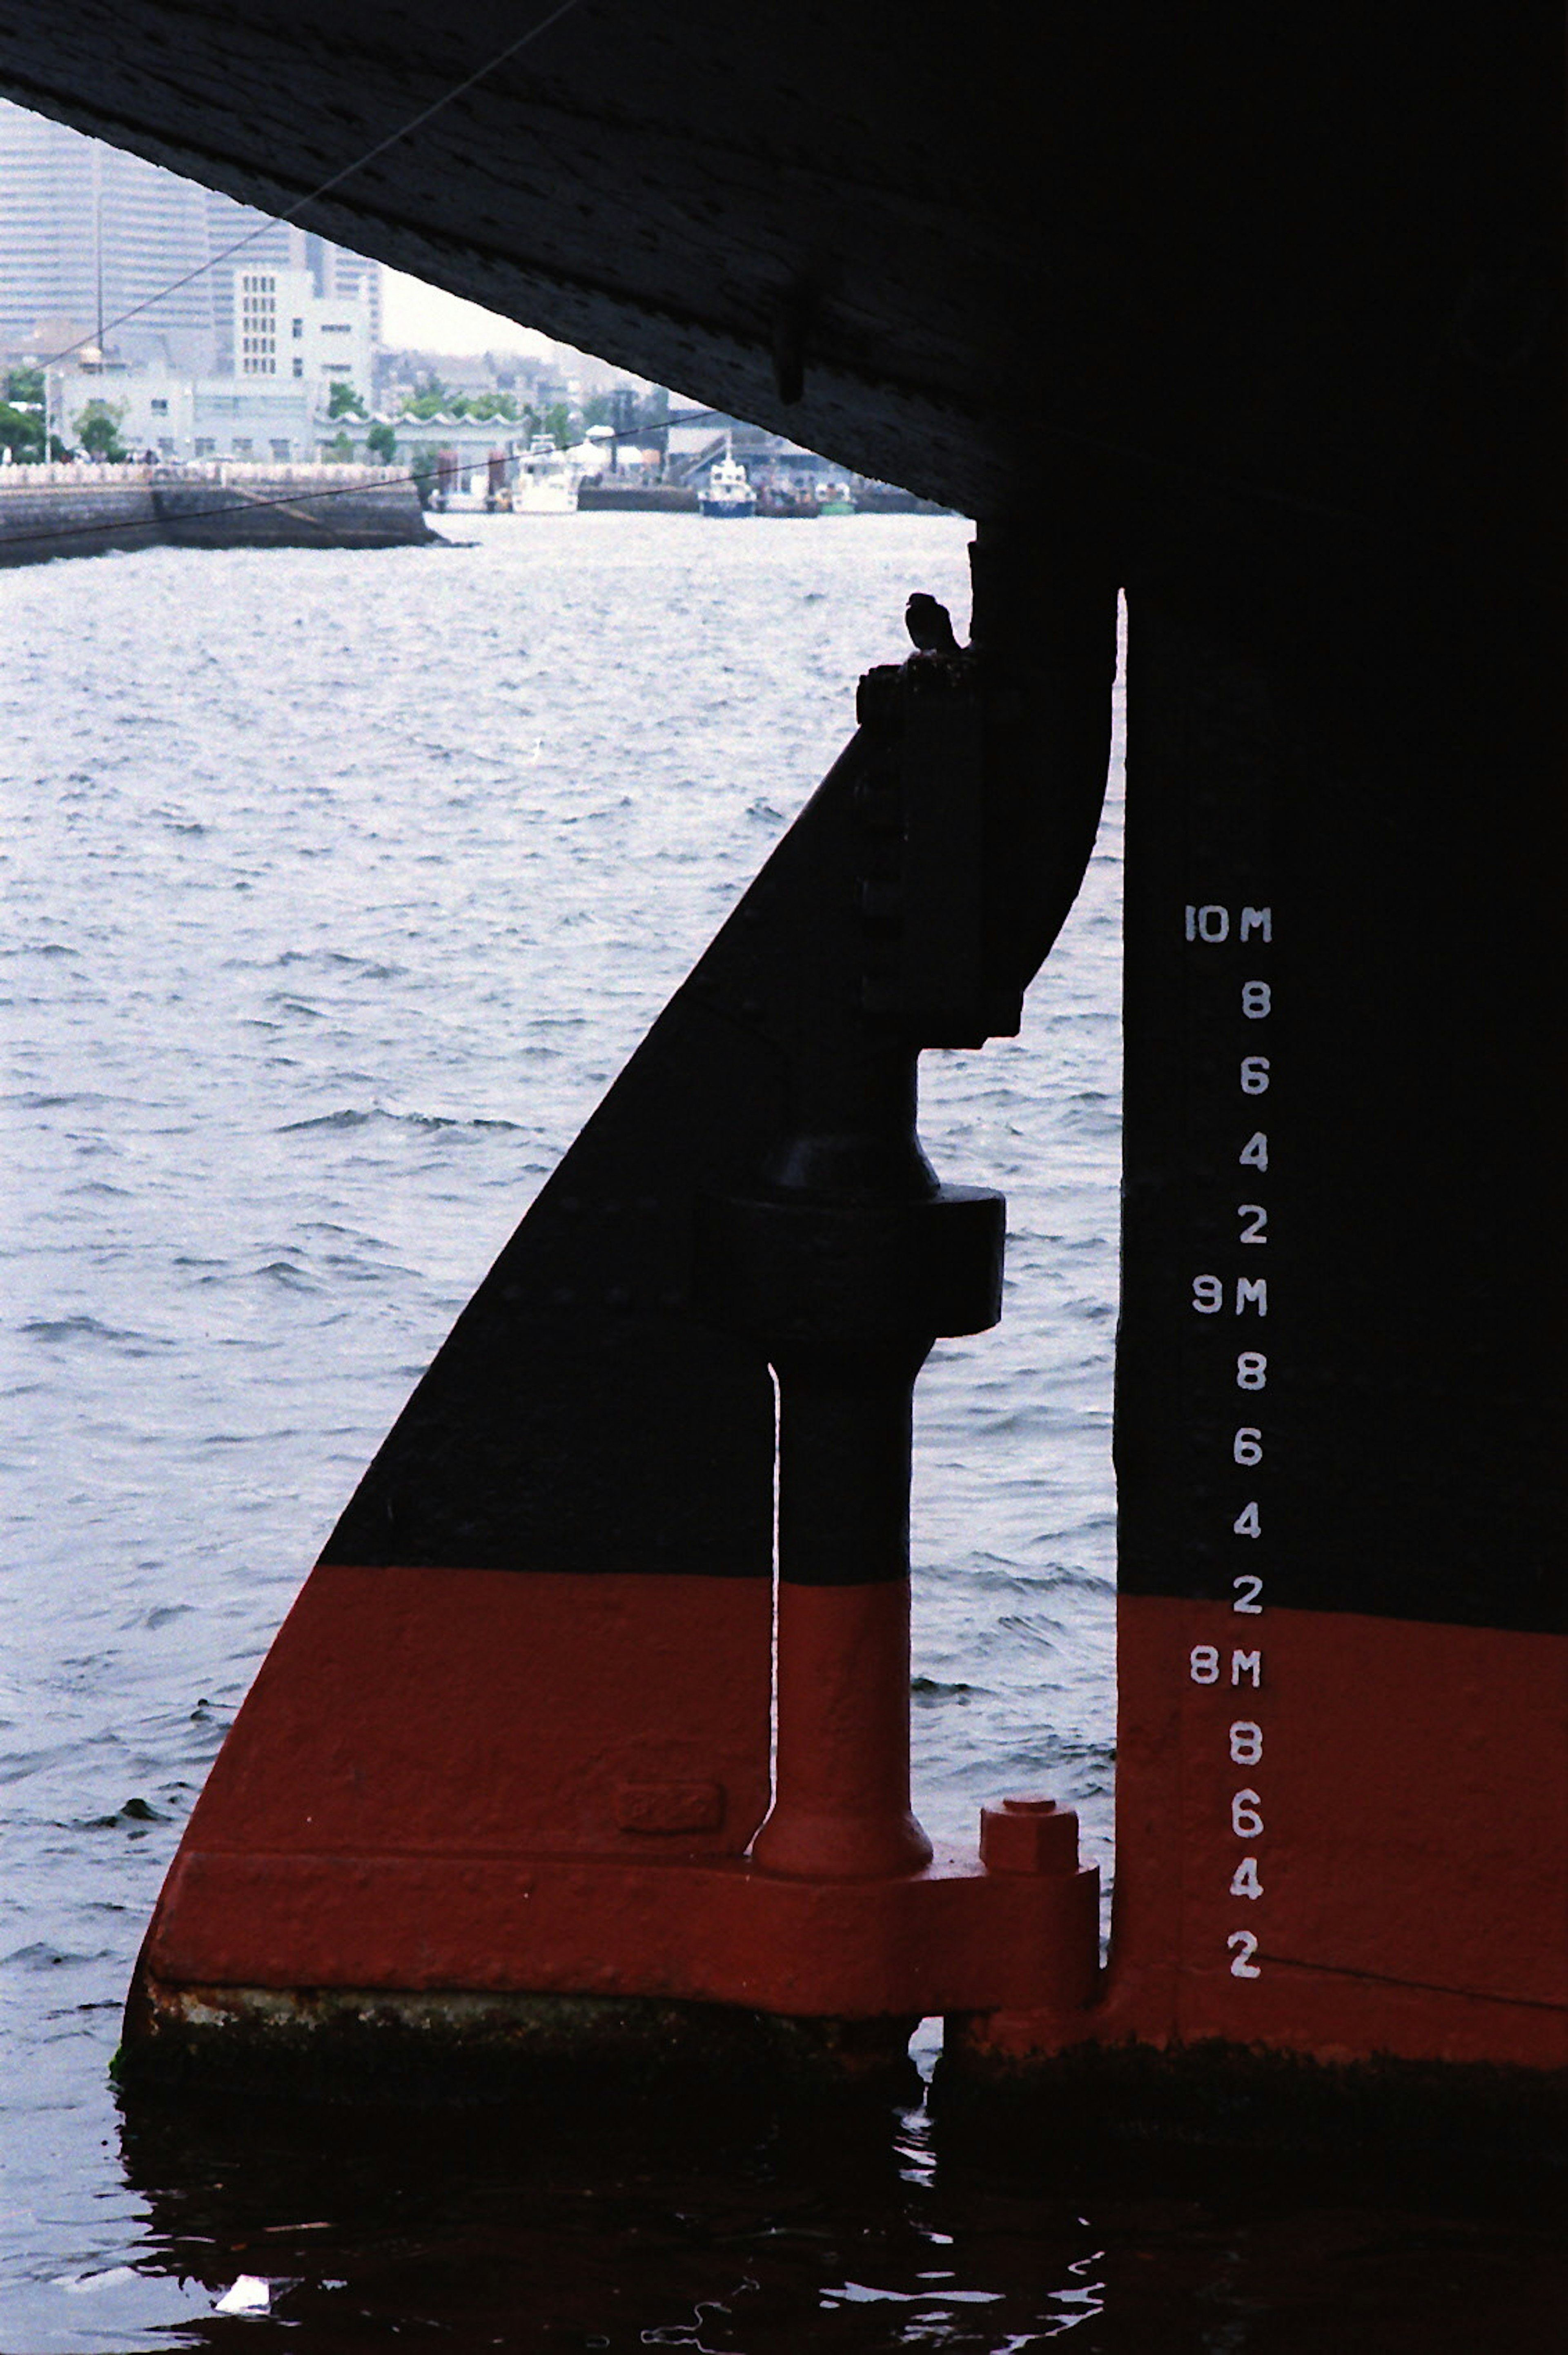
x: 728, y: 490
x: 546, y: 480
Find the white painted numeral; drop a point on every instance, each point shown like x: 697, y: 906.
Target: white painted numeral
x: 1213, y: 924
x: 1212, y: 1295
x: 1245, y: 1820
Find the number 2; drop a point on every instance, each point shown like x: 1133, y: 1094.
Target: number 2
x: 1243, y: 1947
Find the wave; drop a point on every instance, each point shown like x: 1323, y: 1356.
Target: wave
x: 57, y: 1329
x: 430, y: 1121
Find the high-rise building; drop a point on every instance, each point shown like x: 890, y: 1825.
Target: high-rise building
x: 92, y: 238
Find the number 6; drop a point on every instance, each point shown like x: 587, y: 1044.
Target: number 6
x: 1245, y: 1821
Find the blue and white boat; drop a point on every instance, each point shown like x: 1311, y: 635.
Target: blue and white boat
x: 728, y: 490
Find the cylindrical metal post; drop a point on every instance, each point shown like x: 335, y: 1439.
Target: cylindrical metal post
x: 841, y: 1788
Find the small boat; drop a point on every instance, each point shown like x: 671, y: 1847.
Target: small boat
x: 546, y: 480
x: 775, y: 498
x: 727, y: 491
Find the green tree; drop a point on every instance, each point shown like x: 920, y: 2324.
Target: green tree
x: 339, y: 452
x: 343, y: 401
x: 97, y: 428
x: 597, y: 411
x: 484, y: 406
x: 26, y: 383
x: 430, y: 397
x: 423, y: 464
x: 22, y: 433
x: 558, y: 425
x: 382, y: 442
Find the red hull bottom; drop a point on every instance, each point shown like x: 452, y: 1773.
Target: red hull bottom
x: 1338, y: 1838
x: 472, y: 1780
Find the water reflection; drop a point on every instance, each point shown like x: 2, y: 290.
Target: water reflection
x: 755, y: 2235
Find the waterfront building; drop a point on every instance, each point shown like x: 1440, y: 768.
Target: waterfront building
x: 291, y: 347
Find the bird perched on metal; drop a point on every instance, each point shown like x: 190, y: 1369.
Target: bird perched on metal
x: 930, y: 624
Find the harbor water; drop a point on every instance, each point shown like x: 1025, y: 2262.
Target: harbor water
x: 338, y: 888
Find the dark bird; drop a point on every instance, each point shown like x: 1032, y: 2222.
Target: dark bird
x: 930, y: 624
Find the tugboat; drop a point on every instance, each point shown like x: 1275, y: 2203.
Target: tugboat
x: 728, y: 490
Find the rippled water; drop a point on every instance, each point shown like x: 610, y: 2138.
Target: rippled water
x: 339, y: 886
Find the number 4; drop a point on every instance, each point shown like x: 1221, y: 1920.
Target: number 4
x: 1254, y: 1153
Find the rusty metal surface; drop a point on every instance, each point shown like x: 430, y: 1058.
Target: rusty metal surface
x: 381, y: 2043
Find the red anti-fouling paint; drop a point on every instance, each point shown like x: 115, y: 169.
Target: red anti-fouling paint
x: 469, y: 1779
x: 1336, y: 1836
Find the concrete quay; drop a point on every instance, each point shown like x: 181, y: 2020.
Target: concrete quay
x: 83, y: 509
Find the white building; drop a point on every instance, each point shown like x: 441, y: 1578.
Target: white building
x: 290, y: 346
x: 283, y: 328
